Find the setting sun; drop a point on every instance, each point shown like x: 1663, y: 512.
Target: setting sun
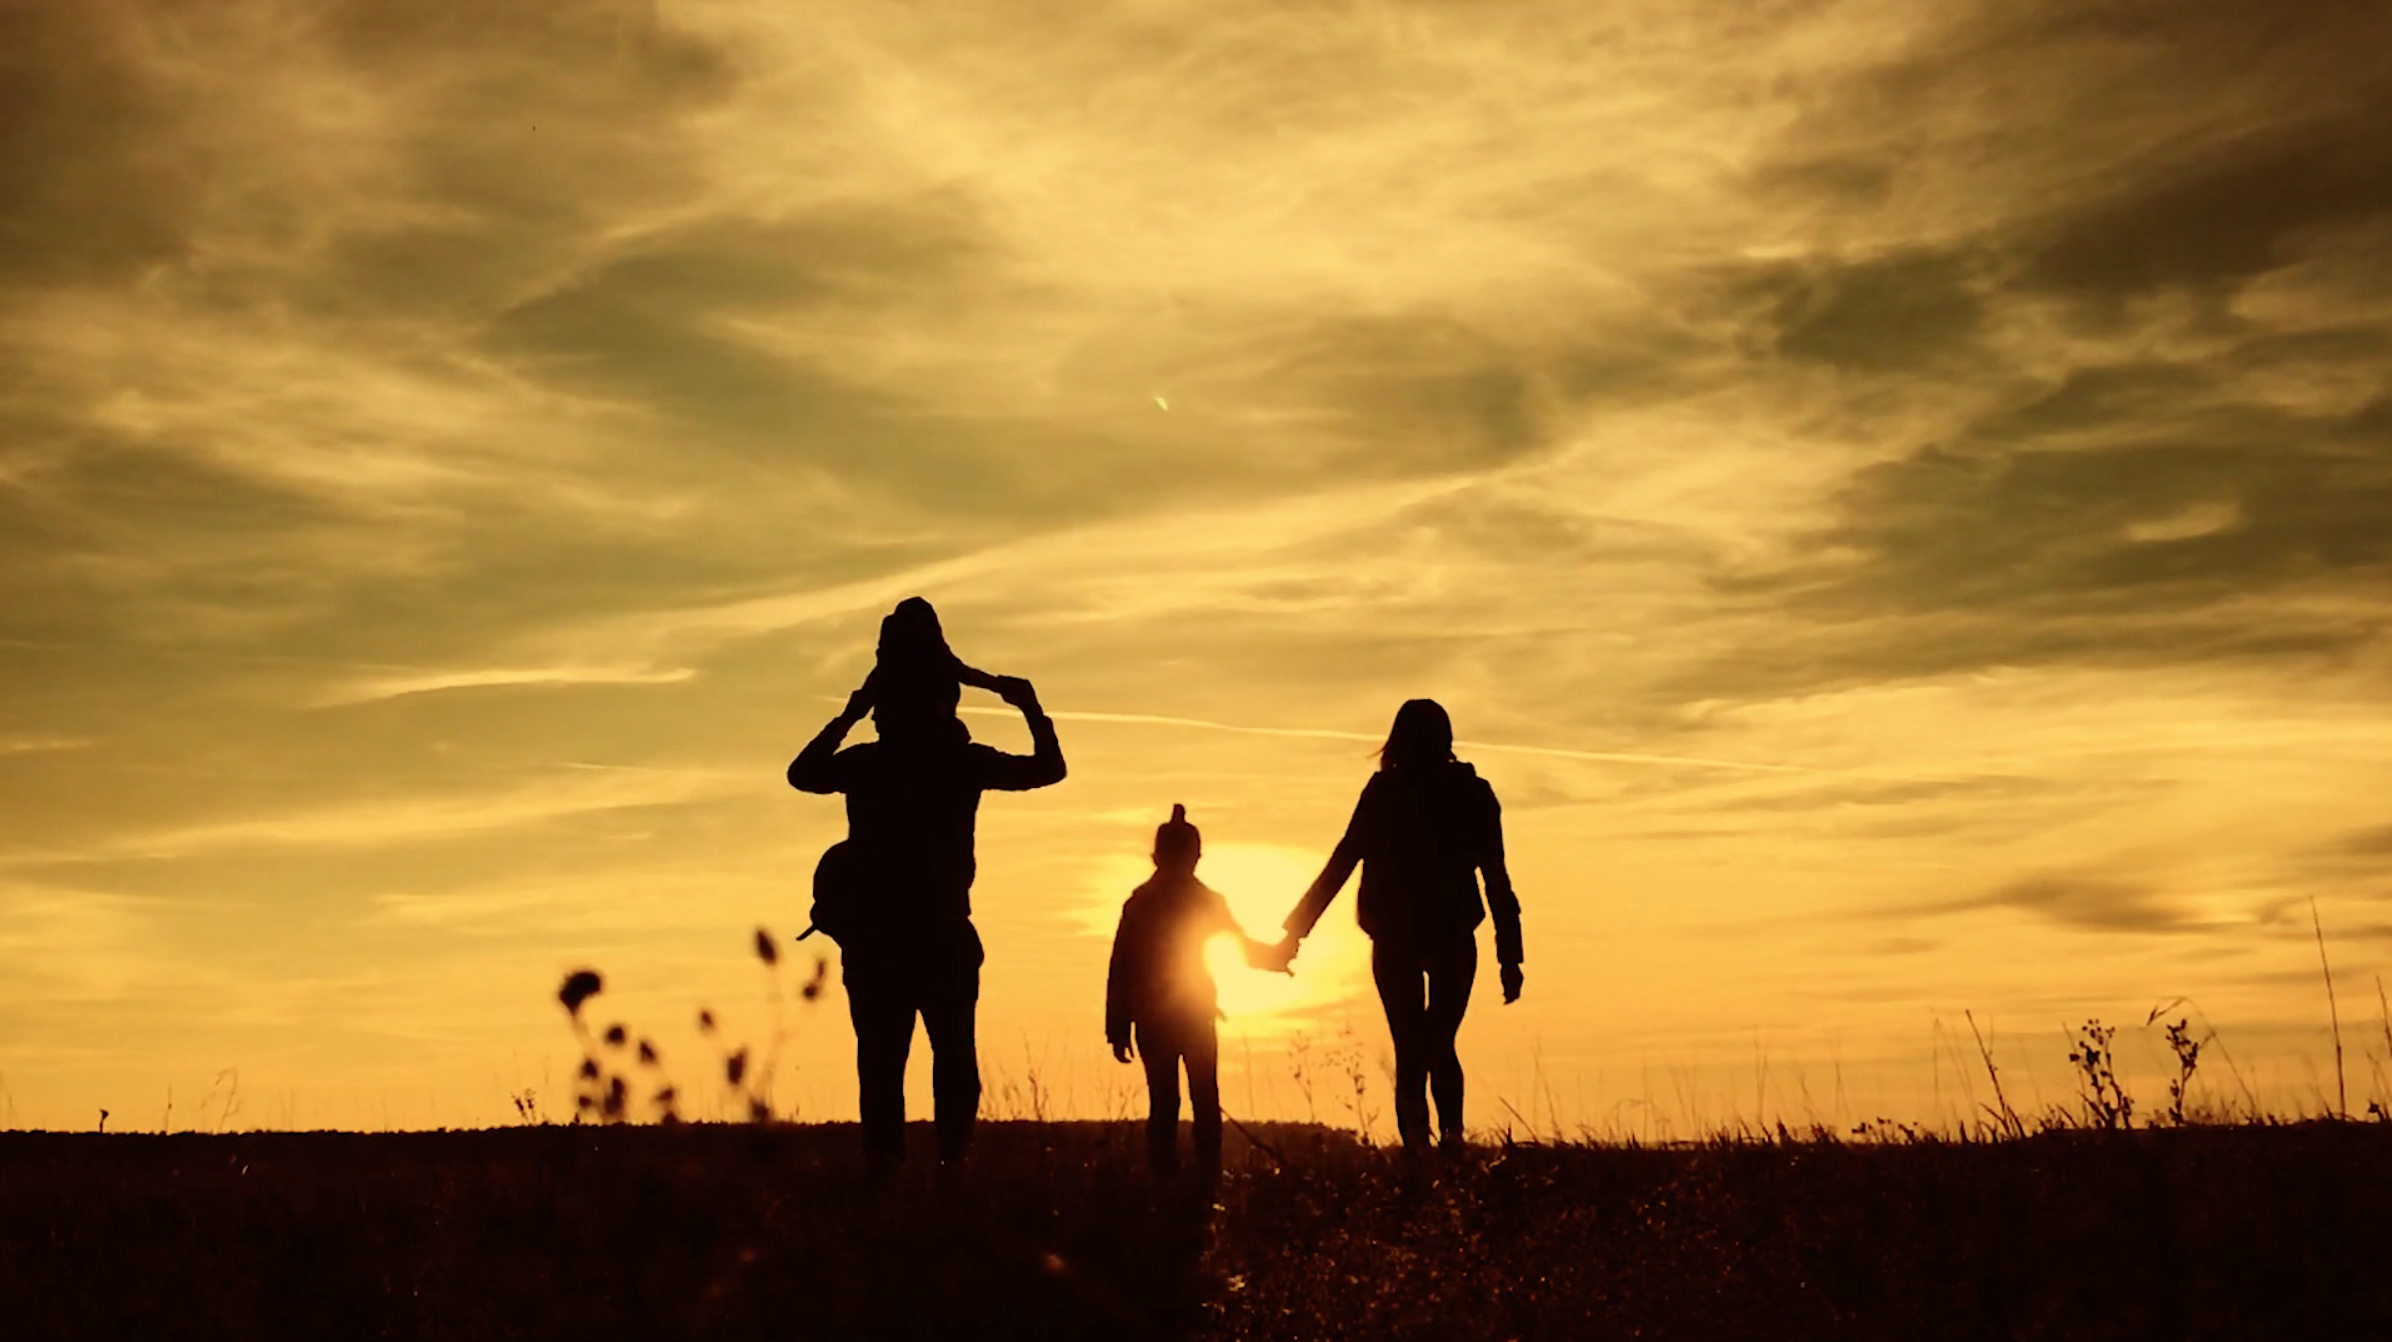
x: 1261, y: 883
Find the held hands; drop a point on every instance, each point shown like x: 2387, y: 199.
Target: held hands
x: 1013, y: 690
x: 1016, y: 691
x: 1277, y: 956
x: 1122, y: 1052
x: 1511, y: 984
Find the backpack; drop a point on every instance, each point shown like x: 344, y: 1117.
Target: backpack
x: 840, y: 907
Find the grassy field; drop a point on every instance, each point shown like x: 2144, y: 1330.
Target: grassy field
x: 736, y: 1231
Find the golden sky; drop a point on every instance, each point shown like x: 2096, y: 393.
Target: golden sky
x: 1897, y: 498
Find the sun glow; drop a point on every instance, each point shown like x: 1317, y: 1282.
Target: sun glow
x: 1262, y: 882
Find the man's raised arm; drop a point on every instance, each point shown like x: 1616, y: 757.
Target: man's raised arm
x: 812, y: 770
x: 1044, y: 764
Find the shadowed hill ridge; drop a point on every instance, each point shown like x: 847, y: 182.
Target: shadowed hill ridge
x: 2246, y: 1232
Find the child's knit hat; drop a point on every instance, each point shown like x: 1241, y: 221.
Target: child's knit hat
x: 1175, y: 840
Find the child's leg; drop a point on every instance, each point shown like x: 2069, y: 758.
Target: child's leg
x: 1160, y: 1053
x: 1204, y: 1094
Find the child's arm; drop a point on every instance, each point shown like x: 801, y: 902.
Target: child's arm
x: 1259, y: 954
x: 1279, y: 956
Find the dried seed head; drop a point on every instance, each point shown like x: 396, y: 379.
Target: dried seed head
x: 765, y: 949
x: 705, y: 1021
x: 758, y: 1111
x: 735, y: 1067
x: 580, y: 986
x: 647, y: 1053
x: 821, y: 979
x: 589, y: 1069
x: 616, y: 1034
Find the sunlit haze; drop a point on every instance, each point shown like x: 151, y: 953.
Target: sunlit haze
x: 1897, y: 499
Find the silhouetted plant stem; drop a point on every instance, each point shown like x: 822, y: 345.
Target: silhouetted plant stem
x: 760, y: 1092
x: 2210, y: 1038
x: 2188, y: 1056
x: 2383, y: 1015
x: 2011, y: 1124
x: 2333, y: 1014
x: 589, y: 1086
x: 1259, y: 1144
x: 2107, y: 1105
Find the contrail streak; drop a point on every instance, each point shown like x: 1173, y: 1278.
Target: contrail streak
x: 1557, y: 752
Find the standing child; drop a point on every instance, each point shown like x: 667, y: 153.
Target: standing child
x: 1160, y: 997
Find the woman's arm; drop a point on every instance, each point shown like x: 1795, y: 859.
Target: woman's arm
x: 1342, y: 861
x: 1502, y: 901
x: 812, y: 770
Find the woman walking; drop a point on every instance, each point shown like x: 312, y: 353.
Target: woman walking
x: 1423, y: 831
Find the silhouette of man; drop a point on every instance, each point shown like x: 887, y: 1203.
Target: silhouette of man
x: 1160, y: 998
x: 913, y: 799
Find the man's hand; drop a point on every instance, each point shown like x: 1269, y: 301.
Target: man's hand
x: 1122, y: 1051
x: 1284, y: 955
x: 1017, y: 692
x: 1511, y: 984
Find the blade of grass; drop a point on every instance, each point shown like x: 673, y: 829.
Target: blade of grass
x: 2011, y: 1124
x: 2333, y: 1014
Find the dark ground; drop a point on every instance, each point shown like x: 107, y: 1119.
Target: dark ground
x: 2243, y: 1233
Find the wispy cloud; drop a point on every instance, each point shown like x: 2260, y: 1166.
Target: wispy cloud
x: 1495, y: 747
x: 432, y: 682
x: 423, y: 819
x: 2098, y: 903
x: 63, y: 944
x: 27, y: 745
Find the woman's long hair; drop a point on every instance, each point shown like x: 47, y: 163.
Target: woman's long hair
x: 1422, y: 734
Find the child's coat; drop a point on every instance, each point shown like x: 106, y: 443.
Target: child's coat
x: 1158, y: 978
